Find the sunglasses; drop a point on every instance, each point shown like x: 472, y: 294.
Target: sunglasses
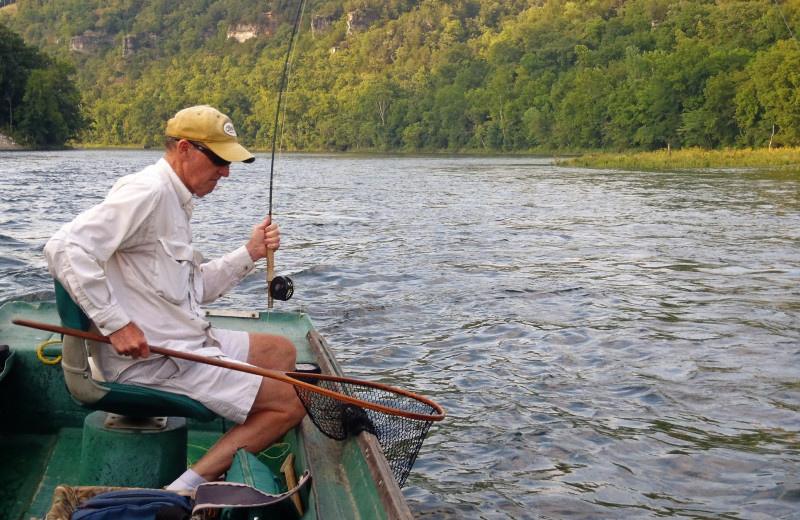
x: 214, y: 158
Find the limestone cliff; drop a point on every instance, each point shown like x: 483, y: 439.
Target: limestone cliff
x: 359, y: 20
x: 265, y: 26
x: 89, y: 41
x: 321, y: 24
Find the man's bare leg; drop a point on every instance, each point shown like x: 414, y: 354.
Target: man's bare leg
x: 275, y: 411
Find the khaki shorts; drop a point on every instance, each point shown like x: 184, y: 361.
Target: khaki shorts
x: 226, y: 392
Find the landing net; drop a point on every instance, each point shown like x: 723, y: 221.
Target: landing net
x: 400, y: 437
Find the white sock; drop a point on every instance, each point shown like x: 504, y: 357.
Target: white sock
x: 187, y: 482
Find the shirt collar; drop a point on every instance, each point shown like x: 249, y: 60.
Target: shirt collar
x: 184, y: 195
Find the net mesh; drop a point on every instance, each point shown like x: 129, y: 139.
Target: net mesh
x: 400, y: 437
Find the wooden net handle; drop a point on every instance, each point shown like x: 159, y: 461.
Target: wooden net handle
x: 285, y: 377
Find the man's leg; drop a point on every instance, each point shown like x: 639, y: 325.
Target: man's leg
x: 276, y: 409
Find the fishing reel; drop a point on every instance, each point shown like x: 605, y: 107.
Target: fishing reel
x: 281, y: 288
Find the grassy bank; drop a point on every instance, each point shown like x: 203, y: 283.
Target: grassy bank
x: 690, y: 158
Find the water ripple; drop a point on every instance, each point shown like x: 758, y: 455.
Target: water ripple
x: 606, y: 344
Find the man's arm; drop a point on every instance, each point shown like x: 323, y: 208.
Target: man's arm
x: 221, y: 275
x: 77, y: 255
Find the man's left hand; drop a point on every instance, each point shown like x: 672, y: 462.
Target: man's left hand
x: 265, y: 236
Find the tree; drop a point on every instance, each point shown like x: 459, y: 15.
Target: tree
x: 510, y: 75
x: 581, y: 102
x: 42, y: 122
x: 776, y: 85
x: 16, y: 60
x: 50, y: 110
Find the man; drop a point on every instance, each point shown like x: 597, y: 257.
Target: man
x: 130, y: 264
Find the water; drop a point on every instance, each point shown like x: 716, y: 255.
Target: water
x: 606, y: 344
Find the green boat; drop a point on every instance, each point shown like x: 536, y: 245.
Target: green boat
x: 49, y: 441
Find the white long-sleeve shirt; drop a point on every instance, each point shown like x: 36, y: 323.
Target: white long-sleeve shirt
x: 131, y: 258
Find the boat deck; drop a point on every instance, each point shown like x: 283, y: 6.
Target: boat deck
x: 40, y: 462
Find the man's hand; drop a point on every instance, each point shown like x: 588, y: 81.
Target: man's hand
x: 130, y: 341
x: 265, y: 236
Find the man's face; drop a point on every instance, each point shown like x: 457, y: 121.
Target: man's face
x: 203, y: 169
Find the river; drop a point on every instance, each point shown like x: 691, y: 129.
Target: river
x: 606, y: 344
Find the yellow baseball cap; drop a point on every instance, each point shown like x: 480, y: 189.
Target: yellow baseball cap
x: 211, y: 127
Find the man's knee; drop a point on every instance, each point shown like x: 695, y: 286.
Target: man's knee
x: 272, y: 351
x: 285, y: 347
x: 279, y: 397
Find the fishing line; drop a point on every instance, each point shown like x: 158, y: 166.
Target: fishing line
x: 780, y: 10
x: 281, y: 287
x: 293, y: 51
x: 281, y: 88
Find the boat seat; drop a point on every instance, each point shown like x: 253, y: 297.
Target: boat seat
x: 121, y: 399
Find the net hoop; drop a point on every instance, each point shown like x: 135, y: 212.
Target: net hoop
x: 438, y: 416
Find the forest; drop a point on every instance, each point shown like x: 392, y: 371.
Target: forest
x: 549, y: 76
x: 39, y: 101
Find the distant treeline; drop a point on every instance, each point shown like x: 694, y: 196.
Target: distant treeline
x: 488, y: 75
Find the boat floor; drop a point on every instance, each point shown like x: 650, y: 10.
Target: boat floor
x: 41, y: 462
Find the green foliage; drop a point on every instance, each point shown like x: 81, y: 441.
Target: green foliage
x: 489, y: 75
x: 40, y: 103
x: 16, y: 60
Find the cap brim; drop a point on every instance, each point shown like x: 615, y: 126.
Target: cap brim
x: 232, y: 152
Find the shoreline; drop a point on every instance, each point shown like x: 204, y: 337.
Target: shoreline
x: 690, y: 158
x: 6, y: 143
x: 659, y: 160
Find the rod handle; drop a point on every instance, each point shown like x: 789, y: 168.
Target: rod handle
x: 270, y: 275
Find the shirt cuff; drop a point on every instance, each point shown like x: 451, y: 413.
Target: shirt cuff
x: 110, y: 320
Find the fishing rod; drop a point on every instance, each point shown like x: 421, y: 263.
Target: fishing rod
x: 280, y: 287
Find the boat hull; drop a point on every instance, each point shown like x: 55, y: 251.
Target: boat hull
x: 42, y: 428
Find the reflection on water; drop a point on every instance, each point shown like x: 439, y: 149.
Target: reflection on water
x: 606, y: 344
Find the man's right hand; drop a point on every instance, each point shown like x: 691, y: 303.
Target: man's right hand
x: 130, y: 341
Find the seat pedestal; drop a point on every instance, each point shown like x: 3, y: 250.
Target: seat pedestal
x: 132, y: 455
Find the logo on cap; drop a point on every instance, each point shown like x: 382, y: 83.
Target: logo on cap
x: 228, y: 129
